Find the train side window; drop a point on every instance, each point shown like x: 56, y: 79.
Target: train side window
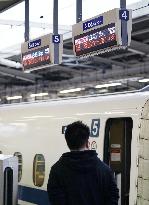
x: 38, y: 170
x: 1, y: 152
x: 19, y: 155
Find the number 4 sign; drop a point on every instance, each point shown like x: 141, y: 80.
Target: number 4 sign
x: 124, y: 15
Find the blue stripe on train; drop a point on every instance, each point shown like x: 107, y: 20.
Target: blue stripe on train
x: 32, y: 195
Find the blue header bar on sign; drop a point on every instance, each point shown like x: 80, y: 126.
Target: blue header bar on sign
x: 92, y: 23
x: 35, y: 43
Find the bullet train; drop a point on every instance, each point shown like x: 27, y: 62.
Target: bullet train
x: 119, y: 132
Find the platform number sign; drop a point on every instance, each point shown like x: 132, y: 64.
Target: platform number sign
x: 124, y: 15
x: 95, y: 126
x: 56, y: 39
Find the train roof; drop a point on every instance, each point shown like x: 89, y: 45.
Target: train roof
x: 129, y: 99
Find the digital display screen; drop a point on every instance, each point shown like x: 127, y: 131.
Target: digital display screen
x: 95, y: 40
x: 35, y: 58
x: 92, y: 23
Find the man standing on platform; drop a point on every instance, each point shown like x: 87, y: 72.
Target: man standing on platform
x: 79, y: 177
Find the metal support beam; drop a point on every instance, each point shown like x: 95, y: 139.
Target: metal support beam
x: 136, y: 47
x: 26, y: 20
x: 123, y: 4
x: 108, y: 61
x: 146, y: 41
x: 55, y: 16
x: 18, y: 74
x: 140, y: 32
x: 79, y: 65
x: 4, y: 80
x: 139, y: 46
x: 122, y: 55
x: 141, y: 19
x: 78, y: 11
x: 99, y: 59
x: 123, y: 25
x: 55, y: 30
x: 62, y: 69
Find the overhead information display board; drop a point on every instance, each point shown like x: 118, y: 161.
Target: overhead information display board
x: 39, y: 52
x: 102, y: 33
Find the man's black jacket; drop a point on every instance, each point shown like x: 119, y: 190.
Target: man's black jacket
x: 80, y: 178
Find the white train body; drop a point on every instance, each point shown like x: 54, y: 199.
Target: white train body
x: 36, y: 128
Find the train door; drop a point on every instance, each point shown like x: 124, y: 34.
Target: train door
x: 117, y: 153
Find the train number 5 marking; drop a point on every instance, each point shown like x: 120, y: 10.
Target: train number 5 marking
x: 95, y: 127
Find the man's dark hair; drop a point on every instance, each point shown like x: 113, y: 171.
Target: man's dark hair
x: 76, y: 135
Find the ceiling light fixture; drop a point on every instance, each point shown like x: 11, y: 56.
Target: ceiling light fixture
x: 38, y: 95
x: 108, y: 85
x: 71, y: 90
x: 144, y: 80
x: 14, y: 97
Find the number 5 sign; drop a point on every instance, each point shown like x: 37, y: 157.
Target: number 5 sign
x: 124, y: 15
x: 95, y: 128
x: 56, y: 38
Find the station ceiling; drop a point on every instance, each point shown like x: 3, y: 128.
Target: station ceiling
x: 129, y: 63
x: 7, y: 4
